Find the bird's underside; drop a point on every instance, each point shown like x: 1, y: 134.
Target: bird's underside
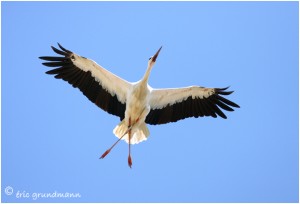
x: 136, y: 104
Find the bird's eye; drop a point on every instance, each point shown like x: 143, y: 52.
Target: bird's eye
x: 150, y: 58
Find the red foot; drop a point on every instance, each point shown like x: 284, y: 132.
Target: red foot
x: 105, y: 153
x: 129, y: 161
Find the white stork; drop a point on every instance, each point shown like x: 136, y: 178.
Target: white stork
x: 136, y: 103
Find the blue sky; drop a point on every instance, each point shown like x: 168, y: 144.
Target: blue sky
x: 52, y: 136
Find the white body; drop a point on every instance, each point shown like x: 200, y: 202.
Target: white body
x: 137, y: 108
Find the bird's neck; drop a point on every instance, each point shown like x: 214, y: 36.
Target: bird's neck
x: 147, y: 74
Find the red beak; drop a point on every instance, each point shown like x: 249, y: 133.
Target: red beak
x: 156, y: 54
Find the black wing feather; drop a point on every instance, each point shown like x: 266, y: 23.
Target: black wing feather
x: 66, y: 70
x: 197, y: 107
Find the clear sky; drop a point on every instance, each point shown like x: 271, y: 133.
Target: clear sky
x: 53, y: 136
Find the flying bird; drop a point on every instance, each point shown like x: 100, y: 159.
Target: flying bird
x: 136, y: 104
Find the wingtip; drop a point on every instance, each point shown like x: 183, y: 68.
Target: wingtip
x: 223, y: 89
x: 53, y: 48
x: 60, y: 52
x: 60, y: 46
x: 64, y: 49
x: 49, y: 72
x: 225, y: 92
x: 235, y: 105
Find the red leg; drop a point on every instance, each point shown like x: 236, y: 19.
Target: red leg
x: 129, y: 137
x: 107, y: 151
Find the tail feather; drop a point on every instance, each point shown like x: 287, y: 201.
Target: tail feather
x: 138, y: 133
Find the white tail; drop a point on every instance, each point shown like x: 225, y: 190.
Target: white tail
x: 139, y: 133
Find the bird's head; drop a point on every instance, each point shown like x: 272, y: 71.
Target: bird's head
x: 152, y: 59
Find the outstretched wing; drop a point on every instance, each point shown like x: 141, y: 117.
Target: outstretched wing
x: 100, y: 86
x: 171, y: 105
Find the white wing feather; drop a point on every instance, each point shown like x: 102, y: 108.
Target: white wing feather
x: 160, y: 98
x: 111, y: 82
